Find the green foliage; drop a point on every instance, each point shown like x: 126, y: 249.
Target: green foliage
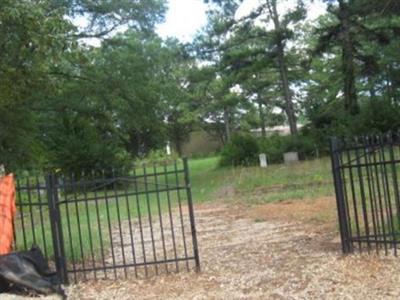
x: 105, y: 16
x: 155, y: 156
x: 242, y: 150
x: 356, y: 33
x: 377, y: 116
x: 245, y: 149
x: 273, y: 148
x: 58, y: 97
x: 33, y: 41
x: 250, y: 53
x: 64, y: 104
x: 77, y: 145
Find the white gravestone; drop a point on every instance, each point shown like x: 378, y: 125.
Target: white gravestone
x: 263, y: 160
x: 168, y: 149
x: 290, y: 157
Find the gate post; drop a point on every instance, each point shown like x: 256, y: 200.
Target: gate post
x: 191, y: 213
x: 56, y: 228
x: 340, y: 198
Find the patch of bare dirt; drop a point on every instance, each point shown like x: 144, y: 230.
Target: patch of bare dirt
x: 280, y: 187
x: 321, y: 211
x: 273, y: 251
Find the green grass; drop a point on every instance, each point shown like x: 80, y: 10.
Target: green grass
x: 308, y: 179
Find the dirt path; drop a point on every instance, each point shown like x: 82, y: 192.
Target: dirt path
x: 248, y: 254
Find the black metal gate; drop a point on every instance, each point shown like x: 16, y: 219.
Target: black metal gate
x: 110, y: 223
x: 366, y: 172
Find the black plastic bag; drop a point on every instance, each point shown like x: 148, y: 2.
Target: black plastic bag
x: 29, y: 270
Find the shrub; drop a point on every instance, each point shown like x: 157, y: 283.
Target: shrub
x: 377, y: 116
x: 275, y: 146
x: 241, y: 150
x: 303, y: 144
x: 156, y: 156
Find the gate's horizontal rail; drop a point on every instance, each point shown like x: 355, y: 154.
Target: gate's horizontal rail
x: 375, y: 239
x: 108, y: 181
x: 33, y: 204
x: 120, y: 197
x: 369, y: 164
x: 132, y: 265
x: 31, y: 188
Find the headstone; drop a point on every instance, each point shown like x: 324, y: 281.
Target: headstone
x: 290, y: 157
x: 168, y: 149
x: 263, y: 160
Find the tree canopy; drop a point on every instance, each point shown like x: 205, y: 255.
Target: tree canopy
x: 67, y: 105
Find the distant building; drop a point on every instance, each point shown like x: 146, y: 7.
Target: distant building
x: 280, y: 130
x: 201, y: 143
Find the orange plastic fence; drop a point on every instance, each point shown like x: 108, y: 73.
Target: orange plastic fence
x: 7, y: 212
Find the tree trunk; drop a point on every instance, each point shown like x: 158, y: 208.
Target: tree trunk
x: 262, y: 119
x: 390, y: 83
x: 372, y: 91
x: 289, y: 107
x: 350, y: 93
x: 178, y: 141
x: 178, y: 147
x: 227, y: 125
x: 133, y: 145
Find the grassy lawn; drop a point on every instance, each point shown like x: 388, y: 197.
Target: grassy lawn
x: 87, y: 227
x: 308, y: 179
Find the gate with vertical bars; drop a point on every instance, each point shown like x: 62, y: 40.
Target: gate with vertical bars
x: 366, y: 172
x: 109, y: 224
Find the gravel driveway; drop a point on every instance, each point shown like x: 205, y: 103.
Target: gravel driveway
x: 245, y: 254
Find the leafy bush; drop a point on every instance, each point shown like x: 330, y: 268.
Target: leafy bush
x: 303, y: 144
x: 275, y: 146
x: 377, y: 116
x: 241, y: 150
x: 244, y: 149
x: 155, y: 156
x: 79, y: 146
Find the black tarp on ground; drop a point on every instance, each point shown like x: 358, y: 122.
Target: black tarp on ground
x: 28, y: 270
